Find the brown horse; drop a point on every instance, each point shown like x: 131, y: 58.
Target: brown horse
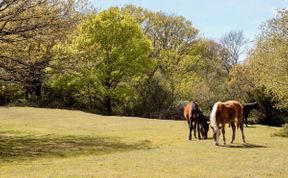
x: 195, y: 118
x: 226, y: 112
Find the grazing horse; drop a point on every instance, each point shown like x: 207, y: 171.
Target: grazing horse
x: 195, y: 118
x: 226, y: 112
x: 247, y: 109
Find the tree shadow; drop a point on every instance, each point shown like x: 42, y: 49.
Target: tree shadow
x: 250, y: 126
x: 244, y: 145
x: 17, y: 148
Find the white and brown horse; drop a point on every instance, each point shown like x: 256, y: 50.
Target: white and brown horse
x: 226, y: 112
x: 196, y: 119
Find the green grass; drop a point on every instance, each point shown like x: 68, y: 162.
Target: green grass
x: 283, y: 132
x: 62, y: 143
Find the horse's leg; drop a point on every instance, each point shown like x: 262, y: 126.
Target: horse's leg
x: 198, y: 130
x: 194, y: 128
x: 246, y: 120
x: 233, y: 132
x: 190, y: 128
x: 242, y: 131
x: 223, y: 133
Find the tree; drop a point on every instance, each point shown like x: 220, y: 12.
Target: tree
x: 268, y: 61
x: 233, y: 42
x: 108, y: 51
x: 172, y: 38
x: 28, y: 31
x: 210, y: 80
x: 241, y: 83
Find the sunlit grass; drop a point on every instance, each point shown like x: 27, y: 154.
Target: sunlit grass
x: 283, y: 132
x: 63, y: 143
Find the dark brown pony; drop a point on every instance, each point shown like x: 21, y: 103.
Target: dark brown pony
x: 195, y: 118
x: 226, y: 112
x: 247, y: 109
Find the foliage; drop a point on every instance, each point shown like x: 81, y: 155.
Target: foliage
x: 186, y: 67
x: 269, y: 113
x: 209, y: 83
x: 133, y: 61
x: 268, y: 60
x: 241, y: 83
x: 10, y: 93
x: 29, y: 30
x: 233, y: 43
x: 110, y: 52
x: 153, y: 99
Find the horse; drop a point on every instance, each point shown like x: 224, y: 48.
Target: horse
x: 226, y: 112
x: 247, y: 109
x: 195, y: 118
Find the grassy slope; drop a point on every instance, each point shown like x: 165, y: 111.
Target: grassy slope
x: 61, y: 143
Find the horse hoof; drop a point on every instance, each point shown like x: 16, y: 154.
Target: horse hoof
x: 216, y: 144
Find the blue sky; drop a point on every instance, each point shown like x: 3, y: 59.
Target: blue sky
x: 213, y: 18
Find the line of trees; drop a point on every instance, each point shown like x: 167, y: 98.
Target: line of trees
x: 133, y: 61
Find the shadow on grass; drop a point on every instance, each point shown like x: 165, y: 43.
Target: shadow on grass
x: 17, y: 148
x: 244, y: 145
x: 250, y: 126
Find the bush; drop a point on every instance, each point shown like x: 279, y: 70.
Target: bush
x: 10, y: 93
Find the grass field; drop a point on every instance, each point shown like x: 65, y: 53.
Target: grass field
x: 62, y: 143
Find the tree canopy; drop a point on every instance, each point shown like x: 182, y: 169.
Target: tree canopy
x: 111, y: 51
x: 269, y: 60
x: 133, y: 61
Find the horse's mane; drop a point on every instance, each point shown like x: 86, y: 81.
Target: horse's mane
x: 182, y: 103
x: 213, y: 120
x: 251, y: 104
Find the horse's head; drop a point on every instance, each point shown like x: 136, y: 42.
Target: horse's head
x: 204, y: 126
x: 257, y: 107
x: 216, y: 133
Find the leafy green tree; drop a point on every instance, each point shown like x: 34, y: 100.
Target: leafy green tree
x: 268, y: 61
x: 207, y: 81
x: 172, y: 38
x: 241, y: 82
x: 109, y: 53
x: 28, y: 31
x: 187, y: 68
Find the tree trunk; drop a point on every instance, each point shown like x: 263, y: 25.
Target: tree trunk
x: 27, y: 92
x: 108, y: 105
x: 37, y: 88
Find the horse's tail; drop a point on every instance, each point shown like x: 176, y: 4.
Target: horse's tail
x: 240, y: 115
x: 186, y: 116
x: 213, y: 119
